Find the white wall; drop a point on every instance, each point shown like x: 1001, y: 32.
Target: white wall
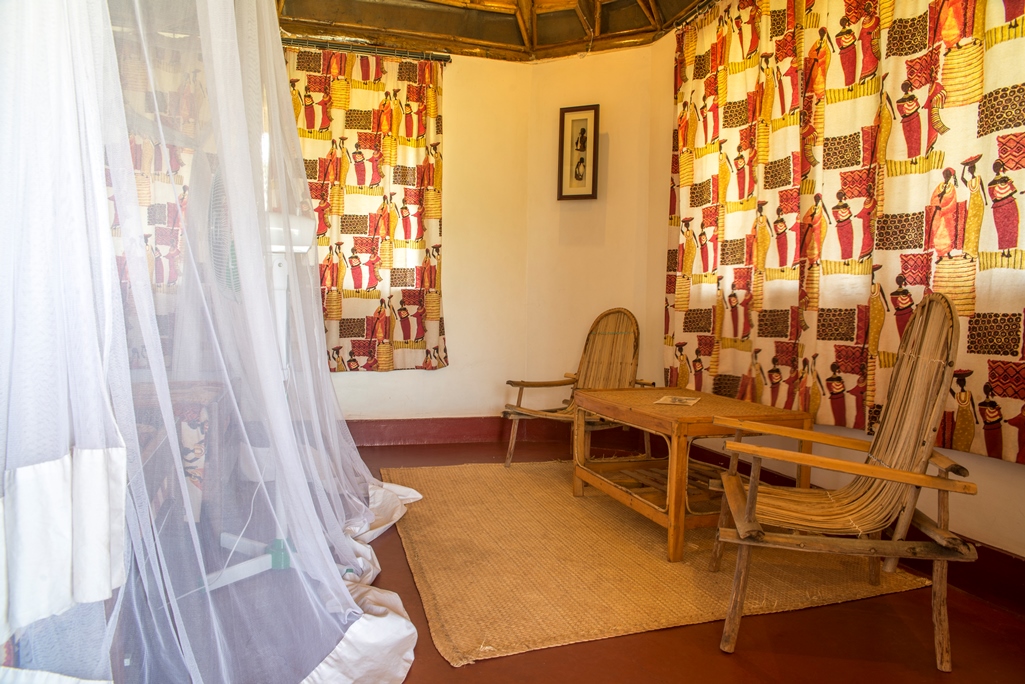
x: 486, y: 109
x: 525, y: 274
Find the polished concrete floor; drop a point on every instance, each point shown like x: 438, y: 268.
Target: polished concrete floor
x: 877, y: 640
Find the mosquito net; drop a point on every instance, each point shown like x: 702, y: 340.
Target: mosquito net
x: 181, y: 498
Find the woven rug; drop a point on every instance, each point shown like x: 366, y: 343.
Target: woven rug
x: 507, y: 560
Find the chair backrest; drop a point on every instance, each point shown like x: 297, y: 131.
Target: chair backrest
x: 906, y: 433
x: 609, y: 360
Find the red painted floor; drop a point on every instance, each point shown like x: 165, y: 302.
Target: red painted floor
x: 877, y: 640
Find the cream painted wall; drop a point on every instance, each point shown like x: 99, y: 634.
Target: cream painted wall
x: 486, y: 113
x: 525, y: 274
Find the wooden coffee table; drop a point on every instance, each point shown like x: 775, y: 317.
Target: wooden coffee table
x: 657, y: 488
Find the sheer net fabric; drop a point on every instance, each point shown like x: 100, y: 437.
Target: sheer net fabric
x: 182, y: 500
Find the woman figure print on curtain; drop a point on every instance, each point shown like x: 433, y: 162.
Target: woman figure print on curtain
x: 816, y: 224
x: 964, y: 419
x: 837, y: 391
x: 297, y: 99
x: 793, y: 378
x: 699, y: 366
x: 308, y: 108
x: 858, y: 392
x: 740, y: 167
x: 903, y: 304
x: 846, y: 44
x: 746, y: 390
x: 844, y: 227
x: 942, y: 217
x: 760, y: 238
x: 356, y: 269
x: 687, y: 249
x: 322, y: 223
x: 910, y: 120
x: 954, y: 23
x: 774, y: 380
x: 877, y: 310
x: 1005, y: 208
x: 992, y: 423
x: 868, y: 36
x: 867, y: 216
x: 781, y: 231
x: 808, y: 137
x: 976, y: 207
x: 817, y: 64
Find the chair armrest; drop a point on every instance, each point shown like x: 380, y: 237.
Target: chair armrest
x: 940, y: 535
x: 571, y: 376
x: 877, y: 472
x: 644, y: 383
x: 806, y: 435
x: 947, y: 464
x: 547, y: 383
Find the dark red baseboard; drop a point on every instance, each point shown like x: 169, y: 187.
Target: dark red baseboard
x: 453, y: 431
x: 997, y: 576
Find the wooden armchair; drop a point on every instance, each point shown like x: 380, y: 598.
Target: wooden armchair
x: 609, y: 361
x: 883, y: 492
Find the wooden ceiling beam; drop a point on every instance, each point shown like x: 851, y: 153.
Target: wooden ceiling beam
x: 403, y: 40
x: 646, y: 8
x: 484, y: 5
x: 524, y: 31
x: 525, y: 19
x: 597, y: 17
x: 656, y: 14
x: 607, y: 42
x: 582, y: 16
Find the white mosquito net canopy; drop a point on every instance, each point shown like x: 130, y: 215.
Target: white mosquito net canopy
x: 182, y: 501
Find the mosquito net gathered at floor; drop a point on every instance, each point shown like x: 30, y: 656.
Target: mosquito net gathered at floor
x: 181, y: 498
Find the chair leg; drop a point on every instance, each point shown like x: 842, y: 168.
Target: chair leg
x: 718, y: 546
x: 736, y: 607
x: 940, y: 624
x: 724, y: 514
x: 512, y: 442
x: 875, y: 563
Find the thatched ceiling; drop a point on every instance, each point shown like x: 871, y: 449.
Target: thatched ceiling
x: 499, y: 29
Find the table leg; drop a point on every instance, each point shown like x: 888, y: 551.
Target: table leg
x: 804, y: 472
x: 580, y: 448
x: 676, y: 494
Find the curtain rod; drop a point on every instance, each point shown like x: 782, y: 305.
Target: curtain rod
x: 327, y: 44
x: 698, y: 9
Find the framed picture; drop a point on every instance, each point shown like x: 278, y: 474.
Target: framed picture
x: 578, y: 152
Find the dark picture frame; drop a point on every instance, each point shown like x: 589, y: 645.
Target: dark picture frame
x: 578, y: 152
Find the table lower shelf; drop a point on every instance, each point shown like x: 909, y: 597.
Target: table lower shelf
x: 642, y: 484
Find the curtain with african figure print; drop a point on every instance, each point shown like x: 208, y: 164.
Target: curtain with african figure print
x: 370, y: 131
x: 834, y: 161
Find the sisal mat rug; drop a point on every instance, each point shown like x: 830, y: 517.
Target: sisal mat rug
x: 507, y: 560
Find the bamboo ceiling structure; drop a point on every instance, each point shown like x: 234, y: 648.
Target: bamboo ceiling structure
x: 515, y: 30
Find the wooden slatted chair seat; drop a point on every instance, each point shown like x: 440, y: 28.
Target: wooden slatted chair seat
x: 884, y: 492
x: 608, y: 361
x: 821, y: 511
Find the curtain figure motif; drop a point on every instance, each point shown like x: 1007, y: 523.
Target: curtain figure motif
x: 833, y: 162
x: 370, y: 128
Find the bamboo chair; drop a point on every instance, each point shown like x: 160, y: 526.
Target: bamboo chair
x: 609, y: 361
x: 882, y: 494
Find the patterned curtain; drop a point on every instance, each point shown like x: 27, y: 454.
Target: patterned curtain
x: 370, y: 130
x: 834, y: 161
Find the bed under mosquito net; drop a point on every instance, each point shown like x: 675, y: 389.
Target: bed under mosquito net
x: 181, y: 498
